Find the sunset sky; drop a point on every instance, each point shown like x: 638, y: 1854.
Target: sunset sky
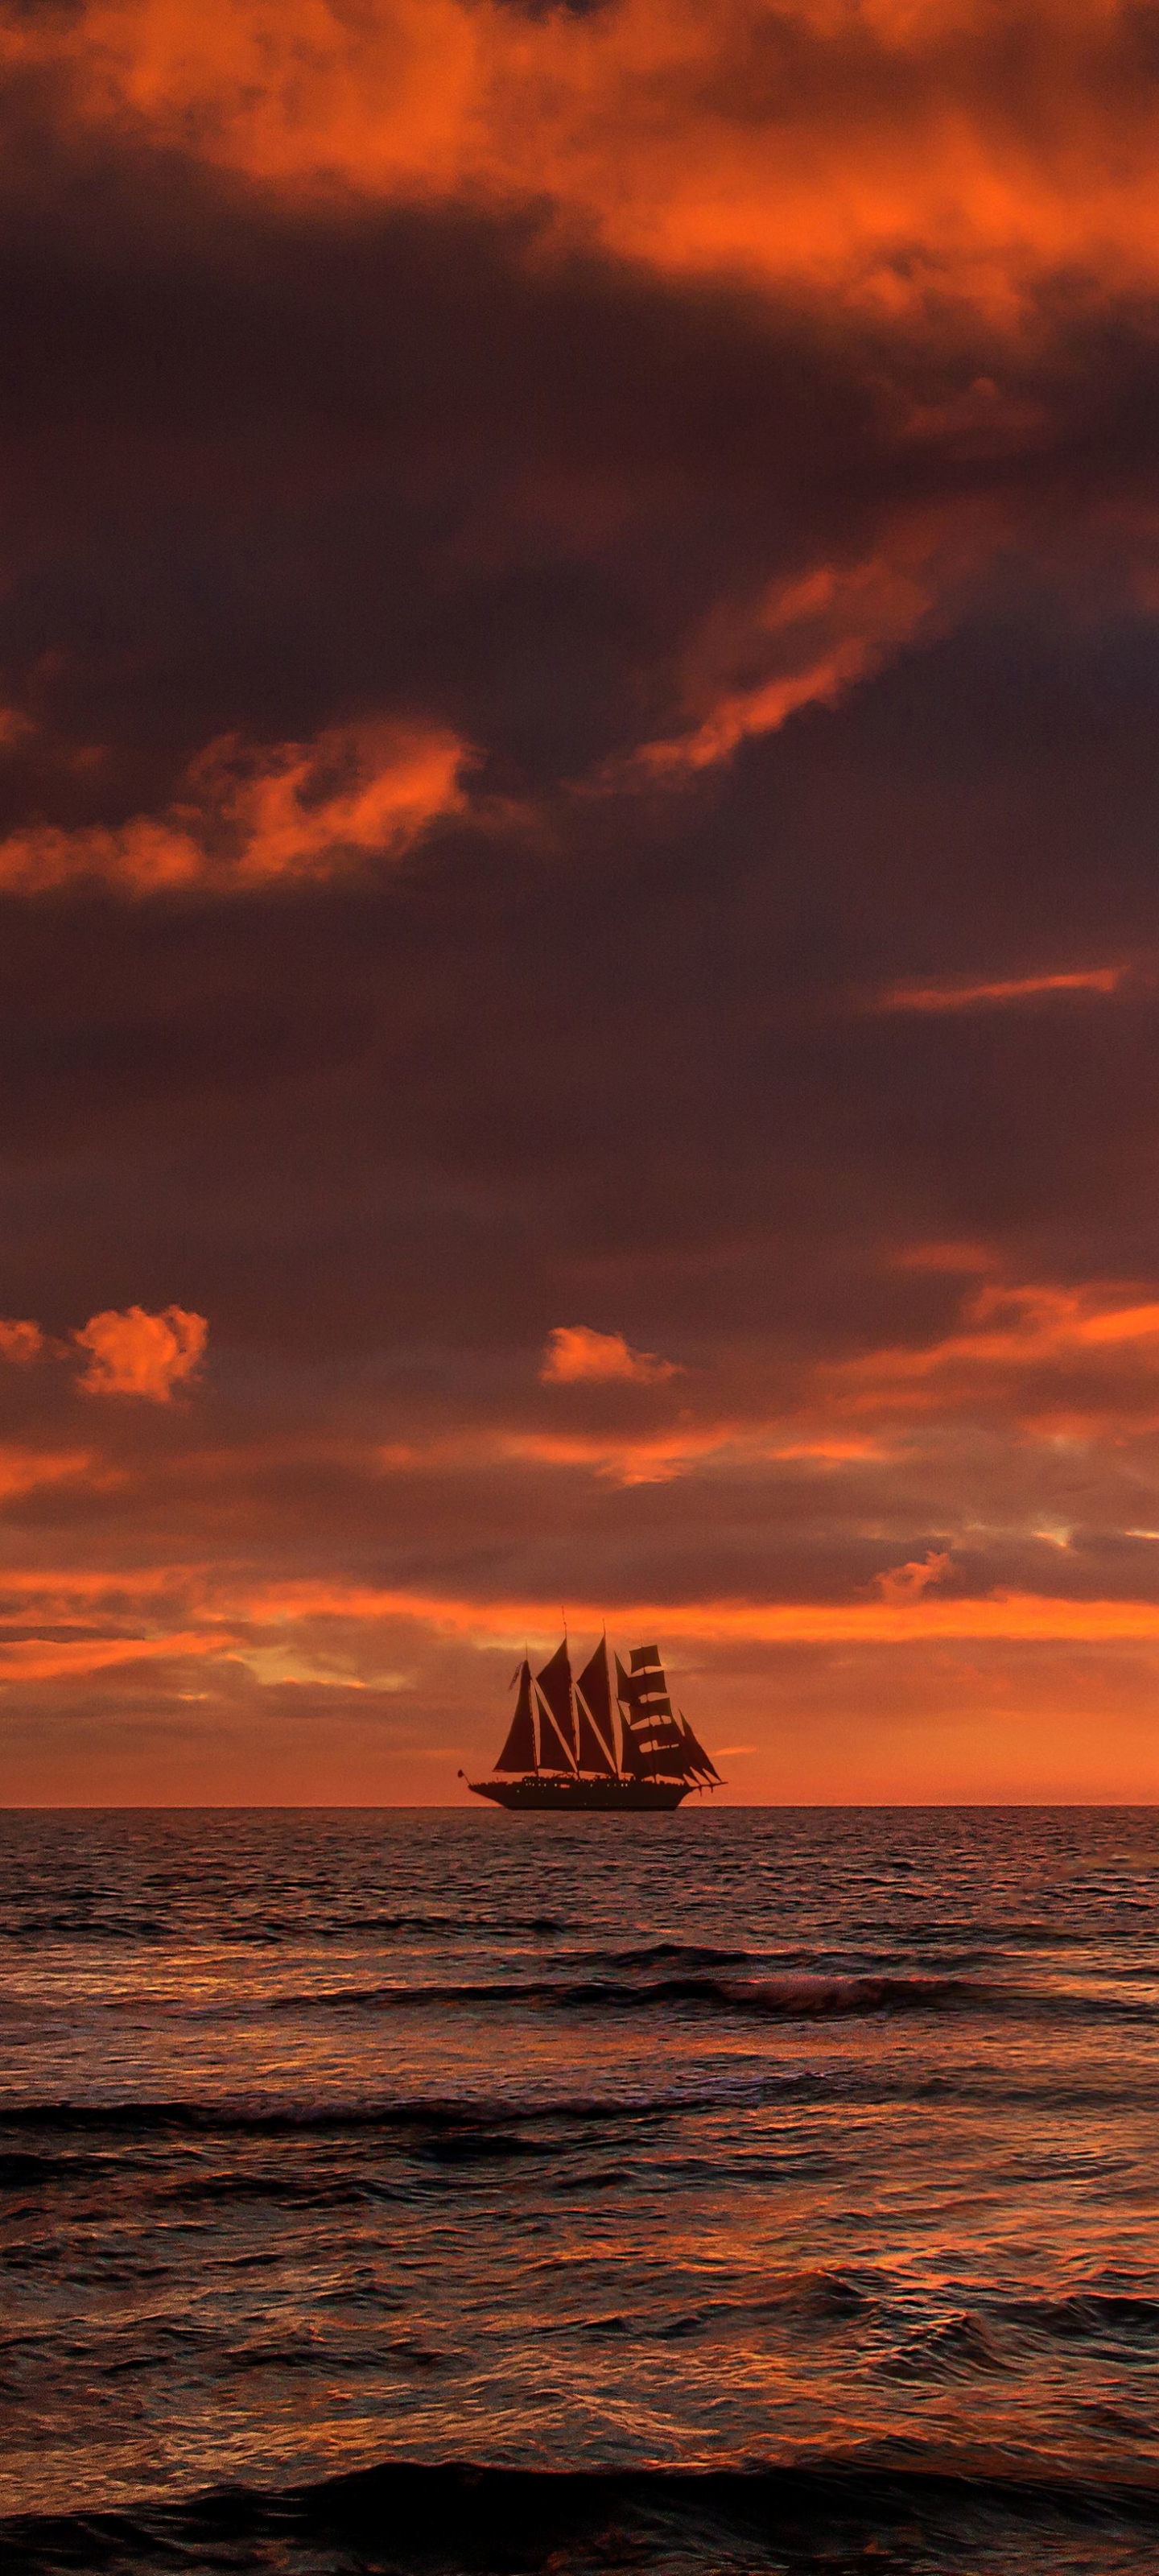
x: 579, y: 797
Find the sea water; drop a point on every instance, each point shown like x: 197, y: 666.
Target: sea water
x: 737, y: 2189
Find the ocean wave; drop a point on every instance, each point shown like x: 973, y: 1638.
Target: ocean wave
x: 652, y: 1954
x: 266, y: 1930
x: 21, y: 2169
x: 452, y: 2113
x: 954, y: 2347
x: 440, y: 1926
x: 83, y: 1927
x: 1093, y: 2313
x: 776, y: 1998
x: 906, y: 2506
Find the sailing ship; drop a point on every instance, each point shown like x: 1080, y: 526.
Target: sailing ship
x: 573, y: 1745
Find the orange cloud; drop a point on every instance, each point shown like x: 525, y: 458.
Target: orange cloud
x: 135, y: 1353
x: 574, y: 1354
x: 936, y: 168
x: 908, y: 1582
x: 809, y: 639
x: 913, y: 1619
x: 70, y: 1659
x: 1073, y: 1361
x: 297, y: 811
x: 54, y: 1589
x: 22, y: 1470
x: 20, y: 1342
x: 335, y: 1633
x: 1023, y: 1325
x: 641, y: 1458
x: 955, y: 996
x: 892, y: 153
x: 657, y: 1458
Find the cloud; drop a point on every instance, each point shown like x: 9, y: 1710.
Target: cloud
x: 810, y: 639
x: 758, y: 405
x: 800, y: 511
x: 68, y: 1659
x: 254, y: 817
x: 911, y: 1619
x: 642, y: 1457
x: 225, y: 1613
x: 24, y: 1471
x: 1009, y: 990
x: 576, y: 1355
x: 1081, y: 1362
x: 129, y: 1352
x: 890, y: 154
x: 22, y: 1342
x: 135, y: 1353
x: 908, y: 1582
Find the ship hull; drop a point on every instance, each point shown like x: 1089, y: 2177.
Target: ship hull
x: 561, y: 1797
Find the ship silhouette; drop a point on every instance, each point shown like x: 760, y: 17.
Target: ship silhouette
x: 573, y: 1745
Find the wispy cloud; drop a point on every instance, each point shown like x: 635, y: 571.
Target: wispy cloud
x: 959, y: 995
x: 253, y: 816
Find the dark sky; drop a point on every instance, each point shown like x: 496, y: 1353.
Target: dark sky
x: 579, y: 673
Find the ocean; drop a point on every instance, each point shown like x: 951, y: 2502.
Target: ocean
x: 741, y: 2189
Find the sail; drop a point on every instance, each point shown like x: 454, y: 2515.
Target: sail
x: 556, y: 1714
x: 698, y: 1759
x: 632, y: 1761
x: 647, y: 1688
x: 653, y: 1743
x: 594, y: 1713
x: 651, y: 1708
x: 665, y: 1737
x: 637, y: 1687
x: 630, y: 1758
x: 519, y: 1750
x: 597, y: 1690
